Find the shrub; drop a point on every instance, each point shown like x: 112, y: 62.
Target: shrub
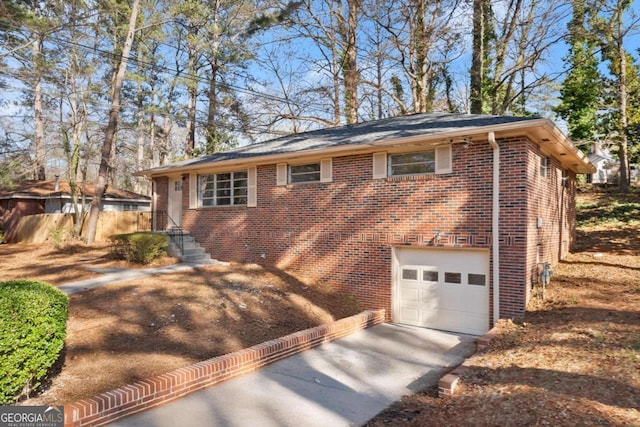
x: 58, y: 236
x: 33, y: 324
x: 141, y: 248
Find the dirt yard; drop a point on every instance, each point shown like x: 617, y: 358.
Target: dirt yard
x: 576, y: 358
x: 125, y: 332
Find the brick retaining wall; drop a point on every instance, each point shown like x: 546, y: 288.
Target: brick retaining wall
x: 148, y: 393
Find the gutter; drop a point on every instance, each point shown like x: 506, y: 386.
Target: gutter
x: 495, y: 226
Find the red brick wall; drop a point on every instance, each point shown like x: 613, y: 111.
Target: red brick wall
x: 513, y: 239
x: 553, y: 201
x: 161, y: 195
x: 341, y: 234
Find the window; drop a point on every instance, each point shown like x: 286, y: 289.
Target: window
x: 429, y: 276
x: 223, y: 189
x: 421, y: 162
x: 321, y: 171
x: 177, y: 185
x: 130, y: 207
x: 409, y: 274
x: 426, y: 162
x: 477, y: 279
x: 544, y: 166
x: 452, y: 277
x: 304, y: 173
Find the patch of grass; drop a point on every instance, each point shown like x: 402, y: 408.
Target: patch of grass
x: 608, y: 213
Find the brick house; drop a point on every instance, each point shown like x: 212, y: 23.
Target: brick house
x: 44, y: 197
x: 441, y: 219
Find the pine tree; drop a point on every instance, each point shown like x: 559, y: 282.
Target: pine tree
x: 580, y: 94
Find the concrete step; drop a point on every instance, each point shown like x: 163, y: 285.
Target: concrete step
x: 191, y: 251
x: 201, y: 260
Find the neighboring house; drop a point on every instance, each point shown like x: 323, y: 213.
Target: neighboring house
x: 38, y: 197
x: 607, y: 167
x: 443, y: 220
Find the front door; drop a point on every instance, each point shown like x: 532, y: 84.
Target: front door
x: 174, y: 209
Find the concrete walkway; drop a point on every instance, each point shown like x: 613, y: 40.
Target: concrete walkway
x: 343, y: 383
x: 118, y: 275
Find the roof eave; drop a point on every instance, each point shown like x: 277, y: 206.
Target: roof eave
x: 570, y: 156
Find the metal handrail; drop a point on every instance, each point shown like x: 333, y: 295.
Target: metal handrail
x: 173, y: 230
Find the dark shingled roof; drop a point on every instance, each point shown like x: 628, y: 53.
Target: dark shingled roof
x: 47, y: 189
x: 360, y: 133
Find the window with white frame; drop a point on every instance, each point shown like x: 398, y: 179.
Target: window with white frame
x: 223, y: 189
x: 544, y: 166
x: 425, y: 162
x: 416, y: 163
x: 321, y: 171
x: 304, y: 173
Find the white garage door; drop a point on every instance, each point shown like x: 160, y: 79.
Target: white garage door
x: 444, y: 289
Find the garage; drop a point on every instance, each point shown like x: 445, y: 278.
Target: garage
x: 445, y: 289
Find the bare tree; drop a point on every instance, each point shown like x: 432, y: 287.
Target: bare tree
x: 426, y: 38
x: 332, y: 27
x: 110, y: 133
x: 524, y: 33
x: 482, y: 32
x: 347, y: 30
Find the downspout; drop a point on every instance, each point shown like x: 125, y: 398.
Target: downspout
x: 154, y: 204
x: 495, y: 227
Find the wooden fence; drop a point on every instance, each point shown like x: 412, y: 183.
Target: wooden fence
x: 42, y: 227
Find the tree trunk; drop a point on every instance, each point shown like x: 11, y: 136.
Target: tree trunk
x: 40, y: 168
x: 350, y: 64
x: 477, y: 58
x: 510, y: 25
x: 214, y: 42
x: 332, y: 36
x: 73, y: 151
x: 110, y: 133
x: 623, y: 144
x: 420, y: 53
x: 192, y: 90
x: 139, y: 182
x: 212, y: 139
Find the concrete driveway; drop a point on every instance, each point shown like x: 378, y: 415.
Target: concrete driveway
x: 342, y: 383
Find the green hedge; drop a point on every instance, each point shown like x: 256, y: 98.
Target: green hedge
x: 33, y: 325
x: 141, y: 247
